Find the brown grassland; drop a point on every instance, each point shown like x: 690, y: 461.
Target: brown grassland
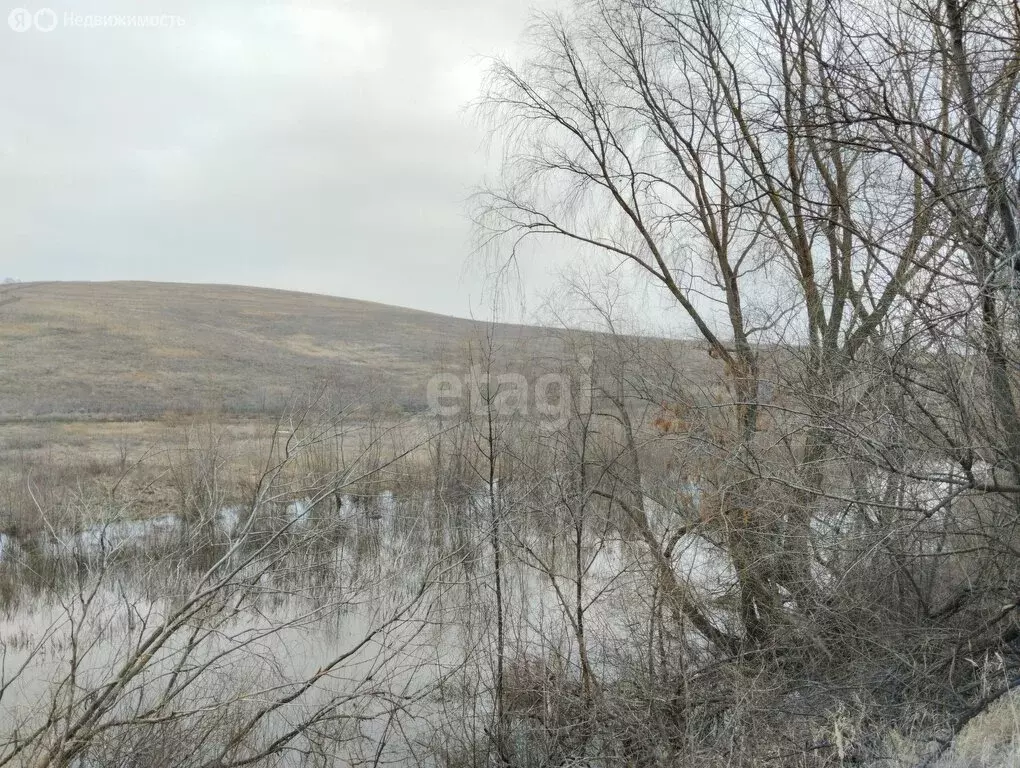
x: 106, y: 387
x: 136, y: 350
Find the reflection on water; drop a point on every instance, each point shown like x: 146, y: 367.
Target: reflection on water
x: 196, y: 630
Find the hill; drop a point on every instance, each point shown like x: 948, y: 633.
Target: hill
x: 138, y: 349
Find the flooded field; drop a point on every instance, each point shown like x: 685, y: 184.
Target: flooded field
x: 477, y: 594
x: 307, y: 632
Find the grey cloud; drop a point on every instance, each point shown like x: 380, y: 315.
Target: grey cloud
x: 313, y: 146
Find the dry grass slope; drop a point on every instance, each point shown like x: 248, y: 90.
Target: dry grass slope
x: 137, y: 349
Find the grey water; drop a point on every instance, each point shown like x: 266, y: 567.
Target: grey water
x: 386, y: 605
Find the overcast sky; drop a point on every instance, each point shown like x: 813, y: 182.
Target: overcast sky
x: 316, y: 146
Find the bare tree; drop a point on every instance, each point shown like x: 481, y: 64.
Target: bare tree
x: 828, y: 192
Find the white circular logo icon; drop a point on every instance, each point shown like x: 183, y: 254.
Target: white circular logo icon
x: 45, y: 20
x: 19, y: 20
x: 22, y: 20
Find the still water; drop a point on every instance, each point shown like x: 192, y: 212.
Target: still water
x: 303, y: 634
